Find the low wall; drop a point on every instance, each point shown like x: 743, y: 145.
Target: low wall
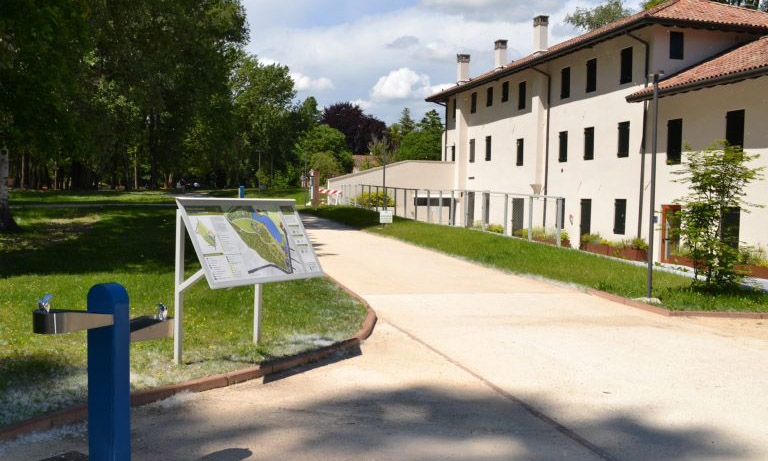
x: 411, y: 174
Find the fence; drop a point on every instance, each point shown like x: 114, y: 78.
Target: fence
x: 535, y: 217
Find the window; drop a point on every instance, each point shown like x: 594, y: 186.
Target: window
x: 592, y: 75
x: 505, y: 92
x: 562, y: 214
x: 521, y: 96
x: 453, y: 153
x: 565, y: 83
x: 454, y: 108
x: 487, y: 148
x: 734, y: 127
x: 676, y: 45
x: 473, y: 103
x: 520, y: 150
x: 674, y: 141
x: 589, y: 143
x: 563, y: 157
x: 619, y: 216
x: 624, y: 139
x: 730, y: 227
x: 489, y: 96
x: 626, y: 66
x: 471, y: 151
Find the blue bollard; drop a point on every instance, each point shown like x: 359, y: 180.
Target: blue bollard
x: 109, y: 383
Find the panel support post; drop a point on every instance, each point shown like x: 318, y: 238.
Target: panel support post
x: 109, y: 376
x: 440, y: 209
x: 530, y: 217
x: 559, y: 220
x: 506, y: 212
x: 257, y: 292
x: 178, y: 293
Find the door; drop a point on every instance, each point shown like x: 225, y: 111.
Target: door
x: 670, y: 231
x: 469, y: 217
x: 518, y: 214
x: 585, y: 224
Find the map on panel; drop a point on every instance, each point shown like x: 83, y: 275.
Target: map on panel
x: 246, y: 241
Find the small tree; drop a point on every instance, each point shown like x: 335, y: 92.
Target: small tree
x: 599, y: 16
x: 717, y: 178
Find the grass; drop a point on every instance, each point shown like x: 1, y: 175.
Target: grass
x: 67, y: 250
x: 564, y: 265
x: 36, y: 197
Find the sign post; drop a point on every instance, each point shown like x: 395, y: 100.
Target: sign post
x: 240, y: 242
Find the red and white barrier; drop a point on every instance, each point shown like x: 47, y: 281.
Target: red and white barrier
x: 333, y: 195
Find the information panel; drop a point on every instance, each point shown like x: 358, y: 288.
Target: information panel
x: 248, y: 241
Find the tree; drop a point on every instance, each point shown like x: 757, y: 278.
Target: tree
x: 423, y: 143
x: 717, y: 178
x: 358, y: 128
x: 325, y: 166
x: 268, y: 118
x: 594, y: 18
x: 323, y: 138
x: 43, y: 44
x: 406, y: 122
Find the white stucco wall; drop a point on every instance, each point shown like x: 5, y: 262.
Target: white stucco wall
x: 703, y: 113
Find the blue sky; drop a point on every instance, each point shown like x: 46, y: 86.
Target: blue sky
x: 386, y: 55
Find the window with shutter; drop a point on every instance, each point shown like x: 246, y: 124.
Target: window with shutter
x: 623, y: 139
x: 521, y: 96
x: 589, y: 143
x: 626, y: 66
x: 565, y: 83
x: 734, y: 127
x: 520, y: 150
x: 563, y: 157
x: 592, y: 75
x: 674, y: 141
x: 619, y: 216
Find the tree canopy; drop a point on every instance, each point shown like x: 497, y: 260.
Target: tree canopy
x: 594, y: 18
x: 359, y: 128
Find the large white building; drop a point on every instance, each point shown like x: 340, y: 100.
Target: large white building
x: 574, y: 119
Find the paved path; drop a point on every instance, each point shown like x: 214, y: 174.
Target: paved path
x: 471, y: 363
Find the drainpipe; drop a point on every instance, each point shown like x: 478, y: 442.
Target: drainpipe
x: 546, y: 141
x: 445, y: 131
x: 642, y: 141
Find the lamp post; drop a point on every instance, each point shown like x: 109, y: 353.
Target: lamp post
x: 652, y: 211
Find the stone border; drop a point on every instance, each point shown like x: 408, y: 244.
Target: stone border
x: 670, y: 313
x: 145, y: 396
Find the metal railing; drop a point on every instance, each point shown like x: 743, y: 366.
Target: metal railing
x: 535, y: 217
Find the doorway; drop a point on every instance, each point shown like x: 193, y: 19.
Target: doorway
x: 518, y: 214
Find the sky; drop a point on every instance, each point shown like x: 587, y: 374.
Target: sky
x: 389, y: 54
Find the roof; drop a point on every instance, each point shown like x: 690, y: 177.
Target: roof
x: 744, y: 61
x: 685, y: 13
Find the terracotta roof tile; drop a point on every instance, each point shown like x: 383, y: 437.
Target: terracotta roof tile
x: 683, y: 12
x: 750, y: 59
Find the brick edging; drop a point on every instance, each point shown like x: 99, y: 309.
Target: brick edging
x: 145, y: 396
x: 670, y: 313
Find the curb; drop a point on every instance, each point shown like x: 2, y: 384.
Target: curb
x: 670, y: 313
x: 79, y: 413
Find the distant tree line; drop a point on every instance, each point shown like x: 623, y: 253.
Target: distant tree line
x: 144, y: 94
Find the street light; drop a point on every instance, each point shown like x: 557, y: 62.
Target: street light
x: 651, y: 223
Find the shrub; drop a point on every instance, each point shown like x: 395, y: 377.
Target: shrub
x: 754, y: 256
x: 638, y: 244
x: 591, y: 238
x: 496, y: 228
x: 717, y: 179
x: 374, y: 200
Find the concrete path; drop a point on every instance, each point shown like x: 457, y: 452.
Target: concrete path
x: 472, y: 363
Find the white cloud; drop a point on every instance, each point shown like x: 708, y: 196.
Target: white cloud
x: 305, y: 83
x: 493, y: 10
x: 402, y: 83
x: 358, y: 56
x: 364, y: 104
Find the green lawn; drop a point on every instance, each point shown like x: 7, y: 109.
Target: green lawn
x: 66, y: 250
x: 29, y: 197
x: 565, y: 265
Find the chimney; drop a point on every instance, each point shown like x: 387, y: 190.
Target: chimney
x: 540, y: 33
x: 500, y: 51
x: 462, y: 68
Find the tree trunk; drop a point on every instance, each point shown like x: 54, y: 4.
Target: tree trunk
x: 153, y: 151
x: 7, y: 224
